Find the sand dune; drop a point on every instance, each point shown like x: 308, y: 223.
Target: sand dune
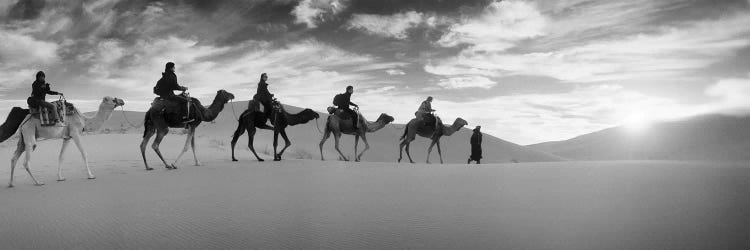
x: 708, y: 138
x: 343, y: 205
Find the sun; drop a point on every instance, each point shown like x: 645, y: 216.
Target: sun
x: 637, y: 122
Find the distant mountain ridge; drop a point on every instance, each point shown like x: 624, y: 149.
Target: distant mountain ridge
x: 702, y: 138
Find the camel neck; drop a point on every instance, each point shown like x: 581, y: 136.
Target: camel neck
x: 375, y: 126
x: 97, y: 121
x: 213, y: 111
x: 449, y: 130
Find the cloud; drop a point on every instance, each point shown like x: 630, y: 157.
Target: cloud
x: 671, y: 52
x: 26, y: 9
x: 733, y: 95
x: 466, y: 82
x: 498, y: 27
x: 20, y: 54
x: 395, y: 72
x: 304, y: 73
x: 394, y: 26
x: 312, y: 12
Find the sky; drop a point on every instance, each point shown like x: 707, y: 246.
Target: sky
x: 526, y: 71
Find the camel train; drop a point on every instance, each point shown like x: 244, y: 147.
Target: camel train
x: 62, y: 120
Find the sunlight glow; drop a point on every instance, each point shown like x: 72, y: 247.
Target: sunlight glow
x: 637, y: 123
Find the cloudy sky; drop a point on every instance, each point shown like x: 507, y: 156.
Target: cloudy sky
x: 527, y: 71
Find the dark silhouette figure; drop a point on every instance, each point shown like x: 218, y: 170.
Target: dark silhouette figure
x: 39, y: 91
x: 280, y: 119
x: 166, y: 86
x: 476, y: 146
x: 343, y: 101
x: 263, y: 96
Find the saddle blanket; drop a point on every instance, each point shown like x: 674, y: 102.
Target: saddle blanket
x: 45, y: 115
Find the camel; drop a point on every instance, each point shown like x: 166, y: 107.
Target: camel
x: 159, y: 121
x: 337, y: 126
x: 31, y: 129
x: 416, y: 127
x: 280, y: 119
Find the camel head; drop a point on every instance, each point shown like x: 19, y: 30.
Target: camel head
x: 224, y: 96
x: 109, y: 102
x: 460, y: 122
x: 310, y: 113
x: 385, y: 118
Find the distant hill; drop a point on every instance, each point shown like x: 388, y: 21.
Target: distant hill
x: 305, y: 139
x: 707, y: 138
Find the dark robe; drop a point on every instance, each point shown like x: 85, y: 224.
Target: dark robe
x: 476, y: 145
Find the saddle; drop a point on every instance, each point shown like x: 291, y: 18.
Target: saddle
x: 340, y: 113
x: 255, y: 106
x: 170, y: 106
x: 428, y: 119
x: 45, y: 115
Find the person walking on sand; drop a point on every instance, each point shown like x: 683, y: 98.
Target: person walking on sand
x: 476, y: 146
x: 39, y: 91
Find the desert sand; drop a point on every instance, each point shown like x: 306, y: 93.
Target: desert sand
x: 297, y: 204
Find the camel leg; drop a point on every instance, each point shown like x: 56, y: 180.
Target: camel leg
x: 146, y: 137
x: 367, y: 146
x: 336, y: 137
x: 191, y: 133
x: 13, y: 160
x: 60, y: 159
x: 439, y: 153
x: 287, y: 142
x: 429, y: 150
x: 236, y: 136
x: 275, y: 144
x: 79, y: 145
x: 408, y: 154
x: 250, y: 139
x: 356, y: 142
x: 326, y: 134
x: 401, y: 150
x: 160, y: 136
x: 29, y: 149
x: 192, y: 146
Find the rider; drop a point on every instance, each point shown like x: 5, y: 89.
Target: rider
x: 39, y: 90
x: 167, y: 84
x: 425, y: 109
x: 345, y: 102
x: 262, y: 95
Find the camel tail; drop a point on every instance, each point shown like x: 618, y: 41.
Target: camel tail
x: 406, y: 129
x: 239, y: 129
x: 14, y: 120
